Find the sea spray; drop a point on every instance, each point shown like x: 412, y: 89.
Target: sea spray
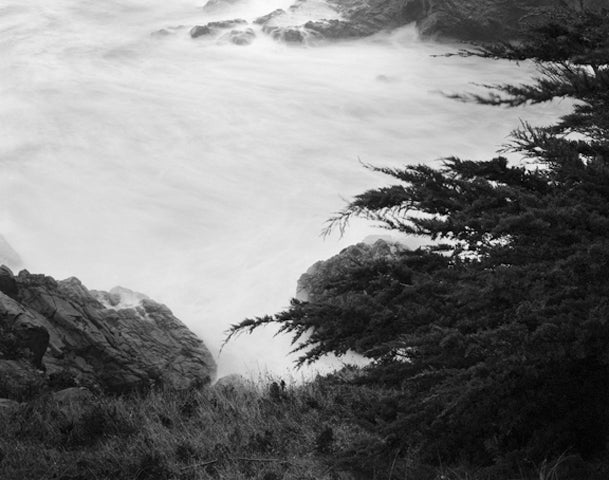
x: 201, y: 173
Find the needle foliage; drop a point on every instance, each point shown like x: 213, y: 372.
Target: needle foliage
x: 496, y: 335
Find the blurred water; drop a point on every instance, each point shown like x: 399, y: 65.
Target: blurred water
x: 200, y: 172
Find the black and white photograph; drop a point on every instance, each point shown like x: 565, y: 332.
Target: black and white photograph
x: 304, y: 239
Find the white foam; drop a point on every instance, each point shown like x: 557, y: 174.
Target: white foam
x: 202, y: 174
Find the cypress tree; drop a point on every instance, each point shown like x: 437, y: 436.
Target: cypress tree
x: 496, y: 335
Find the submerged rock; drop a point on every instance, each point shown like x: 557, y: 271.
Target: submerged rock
x: 240, y: 37
x: 213, y: 28
x: 60, y: 333
x: 165, y: 32
x: 291, y: 34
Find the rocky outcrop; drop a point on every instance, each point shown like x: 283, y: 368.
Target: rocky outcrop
x: 318, y: 278
x: 57, y: 334
x: 343, y: 19
x: 468, y: 20
x: 484, y: 20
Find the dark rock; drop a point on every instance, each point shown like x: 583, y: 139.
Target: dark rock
x: 227, y: 23
x: 314, y: 283
x: 269, y: 16
x: 213, y: 28
x: 483, y: 20
x: 336, y: 29
x: 8, y: 285
x: 73, y: 396
x: 165, y: 32
x: 364, y: 17
x: 113, y: 341
x: 200, y: 30
x: 291, y: 34
x: 470, y: 20
x: 19, y: 380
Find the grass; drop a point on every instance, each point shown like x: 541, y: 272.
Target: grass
x: 265, y: 431
x: 259, y: 432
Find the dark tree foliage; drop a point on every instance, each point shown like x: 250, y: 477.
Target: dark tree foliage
x: 497, y: 334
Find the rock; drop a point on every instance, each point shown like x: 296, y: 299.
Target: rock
x: 64, y: 334
x: 8, y: 285
x: 200, y: 30
x: 483, y: 20
x: 19, y: 380
x: 214, y: 6
x: 213, y: 28
x: 336, y: 29
x: 72, y: 396
x: 363, y: 18
x: 240, y: 37
x: 227, y: 23
x: 469, y: 20
x: 165, y: 32
x: 290, y: 34
x: 319, y: 277
x: 269, y: 16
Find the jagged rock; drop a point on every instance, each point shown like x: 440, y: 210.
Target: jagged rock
x: 213, y: 6
x: 213, y: 28
x: 113, y: 341
x: 312, y: 284
x: 335, y: 29
x: 482, y: 20
x: 269, y: 16
x: 362, y: 18
x: 472, y: 20
x: 200, y: 30
x: 19, y: 380
x: 8, y: 285
x: 73, y: 396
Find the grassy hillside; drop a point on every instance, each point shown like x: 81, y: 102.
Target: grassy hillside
x: 319, y: 431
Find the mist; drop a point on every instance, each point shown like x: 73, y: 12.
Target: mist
x: 201, y: 172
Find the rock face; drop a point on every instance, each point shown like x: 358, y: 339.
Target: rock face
x: 313, y: 284
x: 58, y: 334
x: 468, y: 20
x: 482, y: 20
